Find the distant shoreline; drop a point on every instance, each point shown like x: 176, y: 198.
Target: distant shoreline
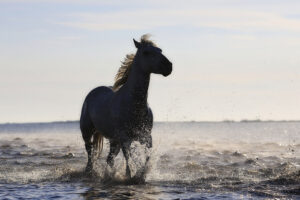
x: 224, y: 121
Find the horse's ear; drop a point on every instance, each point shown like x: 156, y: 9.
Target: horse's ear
x: 137, y: 44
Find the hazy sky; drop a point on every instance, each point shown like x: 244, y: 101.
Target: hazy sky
x: 232, y: 59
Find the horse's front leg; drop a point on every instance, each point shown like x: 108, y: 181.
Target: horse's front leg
x: 126, y: 152
x: 148, y: 148
x: 113, y: 152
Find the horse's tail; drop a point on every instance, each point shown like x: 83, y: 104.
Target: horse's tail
x: 97, y: 144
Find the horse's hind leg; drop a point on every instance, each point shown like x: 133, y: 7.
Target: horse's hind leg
x: 88, y: 147
x: 87, y: 131
x: 87, y: 137
x: 113, y: 152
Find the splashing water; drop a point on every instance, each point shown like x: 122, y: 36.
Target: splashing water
x: 189, y: 160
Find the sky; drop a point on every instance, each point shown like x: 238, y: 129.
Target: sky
x: 232, y: 60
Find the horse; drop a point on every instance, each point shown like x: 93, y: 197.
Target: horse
x: 121, y: 113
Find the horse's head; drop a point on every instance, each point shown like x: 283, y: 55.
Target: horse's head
x: 151, y: 58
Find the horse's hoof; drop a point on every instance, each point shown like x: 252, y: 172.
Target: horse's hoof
x: 147, y: 160
x: 89, y: 169
x: 138, y: 180
x: 128, y: 173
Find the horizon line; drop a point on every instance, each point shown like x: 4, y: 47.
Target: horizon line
x: 182, y: 121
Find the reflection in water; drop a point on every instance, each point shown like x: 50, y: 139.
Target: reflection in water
x: 121, y: 192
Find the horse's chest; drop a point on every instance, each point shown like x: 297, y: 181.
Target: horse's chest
x: 132, y: 123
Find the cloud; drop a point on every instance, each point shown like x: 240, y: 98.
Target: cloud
x: 53, y: 1
x: 235, y: 20
x: 69, y: 38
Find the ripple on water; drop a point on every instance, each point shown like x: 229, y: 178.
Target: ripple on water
x: 37, y: 166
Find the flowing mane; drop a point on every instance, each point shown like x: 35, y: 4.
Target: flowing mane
x: 123, y: 72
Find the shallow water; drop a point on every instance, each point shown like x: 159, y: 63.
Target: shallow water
x: 189, y: 161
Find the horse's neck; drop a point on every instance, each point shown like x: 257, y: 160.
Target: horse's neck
x: 137, y: 85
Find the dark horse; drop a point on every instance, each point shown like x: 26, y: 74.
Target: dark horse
x: 121, y: 113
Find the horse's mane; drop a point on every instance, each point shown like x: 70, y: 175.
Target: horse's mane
x: 123, y: 72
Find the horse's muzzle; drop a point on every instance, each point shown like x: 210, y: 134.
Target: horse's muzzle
x: 167, y: 69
